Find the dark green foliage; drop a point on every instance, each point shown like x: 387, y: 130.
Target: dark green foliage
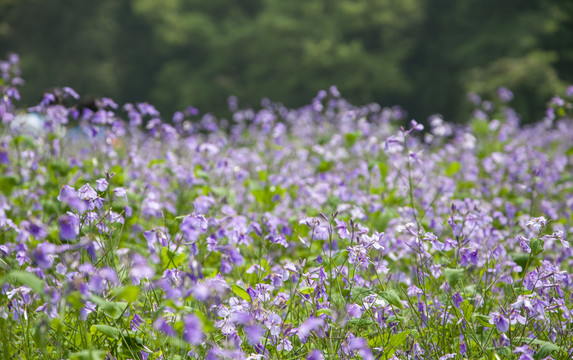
x: 422, y: 54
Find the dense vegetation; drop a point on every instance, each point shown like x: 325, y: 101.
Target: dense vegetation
x: 422, y: 54
x: 323, y: 232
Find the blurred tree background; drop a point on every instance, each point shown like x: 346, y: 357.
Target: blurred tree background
x: 422, y: 54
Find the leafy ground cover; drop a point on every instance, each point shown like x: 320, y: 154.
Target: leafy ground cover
x: 325, y: 232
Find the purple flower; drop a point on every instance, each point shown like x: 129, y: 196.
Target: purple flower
x: 524, y: 243
x: 322, y: 232
x: 193, y: 226
x: 436, y: 244
x: 525, y: 351
x: 308, y: 326
x: 504, y: 94
x: 457, y: 299
x: 315, y: 355
x: 354, y: 310
x: 279, y: 239
x: 448, y: 356
x: 96, y: 284
x: 273, y: 323
x: 435, y: 270
x: 556, y: 100
x: 69, y: 227
x: 178, y: 117
x: 235, y: 256
x: 107, y: 102
x: 523, y: 301
x: 463, y: 348
x: 120, y: 192
x: 68, y: 91
x: 68, y: 195
x: 474, y: 98
x: 360, y: 345
x: 225, y: 267
x: 43, y: 255
x: 136, y: 322
x: 162, y: 325
x: 48, y: 99
x: 284, y: 344
x: 501, y: 322
x: 192, y: 329
x: 147, y: 109
x: 101, y: 184
x: 358, y: 255
x: 87, y: 193
x: 202, y: 204
x: 4, y: 157
x: 34, y: 228
x: 516, y: 317
x: 342, y: 229
x: 254, y: 334
x: 140, y: 269
x: 558, y: 235
x: 415, y: 126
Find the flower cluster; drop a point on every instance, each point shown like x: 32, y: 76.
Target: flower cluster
x: 327, y: 231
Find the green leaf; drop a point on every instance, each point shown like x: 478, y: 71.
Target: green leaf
x: 131, y: 340
x: 7, y: 183
x: 59, y: 168
x: 200, y: 173
x: 359, y: 293
x: 127, y: 293
x: 505, y: 351
x: 361, y: 323
x: 520, y: 259
x: 545, y: 350
x: 25, y: 140
x: 241, y: 292
x: 172, y: 259
x: 88, y: 355
x: 75, y: 299
x: 306, y: 290
x: 376, y: 340
x: 480, y: 127
x: 323, y: 311
x: 537, y: 246
x: 112, y: 309
x: 398, y: 339
x: 351, y: 138
x: 25, y: 278
x: 483, y: 319
x: 155, y: 161
x: 454, y: 276
x: 383, y: 171
x: 395, y: 341
x: 453, y: 168
x: 109, y: 331
x: 392, y: 297
x: 324, y: 166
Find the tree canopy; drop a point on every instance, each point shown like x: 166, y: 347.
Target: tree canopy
x: 425, y: 55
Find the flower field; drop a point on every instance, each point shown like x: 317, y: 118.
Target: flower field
x: 331, y: 231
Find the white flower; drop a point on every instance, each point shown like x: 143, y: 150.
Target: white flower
x: 402, y: 228
x: 255, y: 357
x: 559, y: 236
x: 537, y: 223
